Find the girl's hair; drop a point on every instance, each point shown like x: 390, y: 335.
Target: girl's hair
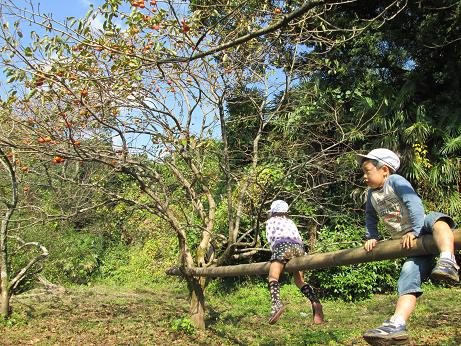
x: 279, y: 214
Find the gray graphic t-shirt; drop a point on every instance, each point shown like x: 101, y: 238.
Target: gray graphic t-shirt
x: 397, y: 205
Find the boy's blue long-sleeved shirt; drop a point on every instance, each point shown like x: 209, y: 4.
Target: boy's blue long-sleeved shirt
x: 398, y: 205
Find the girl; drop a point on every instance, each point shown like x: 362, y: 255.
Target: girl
x: 286, y: 243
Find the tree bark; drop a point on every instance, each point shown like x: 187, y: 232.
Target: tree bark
x: 312, y: 236
x: 5, y: 303
x: 389, y: 249
x: 197, y: 301
x: 10, y: 208
x: 5, y: 282
x: 5, y: 291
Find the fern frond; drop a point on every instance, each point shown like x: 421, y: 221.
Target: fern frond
x: 446, y: 171
x: 418, y: 132
x: 451, y: 145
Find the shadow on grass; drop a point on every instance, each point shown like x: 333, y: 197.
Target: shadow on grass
x: 228, y: 337
x: 228, y: 285
x: 439, y: 318
x: 455, y: 340
x: 311, y: 338
x: 214, y: 317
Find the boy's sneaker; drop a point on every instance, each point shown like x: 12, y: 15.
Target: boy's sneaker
x: 387, y: 334
x: 276, y: 313
x: 445, y: 270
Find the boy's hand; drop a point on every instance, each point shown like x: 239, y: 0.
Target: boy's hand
x: 370, y: 244
x: 407, y: 240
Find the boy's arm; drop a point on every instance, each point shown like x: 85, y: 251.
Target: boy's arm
x: 411, y: 200
x: 371, y: 220
x: 371, y: 225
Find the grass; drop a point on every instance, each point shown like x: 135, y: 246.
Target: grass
x: 236, y: 315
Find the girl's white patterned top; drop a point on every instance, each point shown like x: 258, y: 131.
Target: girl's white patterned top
x: 281, y: 229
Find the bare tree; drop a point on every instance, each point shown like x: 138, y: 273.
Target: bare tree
x: 11, y: 280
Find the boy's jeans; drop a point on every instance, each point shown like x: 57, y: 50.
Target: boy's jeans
x: 417, y: 269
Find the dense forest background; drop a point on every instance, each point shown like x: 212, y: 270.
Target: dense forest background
x: 160, y: 143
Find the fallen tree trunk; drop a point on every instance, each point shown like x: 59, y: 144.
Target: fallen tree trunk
x: 384, y: 250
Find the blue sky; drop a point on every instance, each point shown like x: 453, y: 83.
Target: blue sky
x: 59, y: 10
x: 62, y: 9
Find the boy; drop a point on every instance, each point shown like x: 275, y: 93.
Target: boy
x: 286, y: 243
x: 392, y: 198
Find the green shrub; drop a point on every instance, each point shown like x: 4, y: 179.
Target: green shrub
x: 357, y: 281
x: 140, y: 264
x: 74, y: 256
x: 18, y: 259
x: 183, y: 325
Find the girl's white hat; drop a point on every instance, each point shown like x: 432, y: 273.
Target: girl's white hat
x: 279, y: 206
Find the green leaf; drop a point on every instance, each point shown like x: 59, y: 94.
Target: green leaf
x: 369, y: 101
x: 28, y: 52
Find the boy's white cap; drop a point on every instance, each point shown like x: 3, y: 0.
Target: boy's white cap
x: 385, y: 156
x: 279, y: 206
